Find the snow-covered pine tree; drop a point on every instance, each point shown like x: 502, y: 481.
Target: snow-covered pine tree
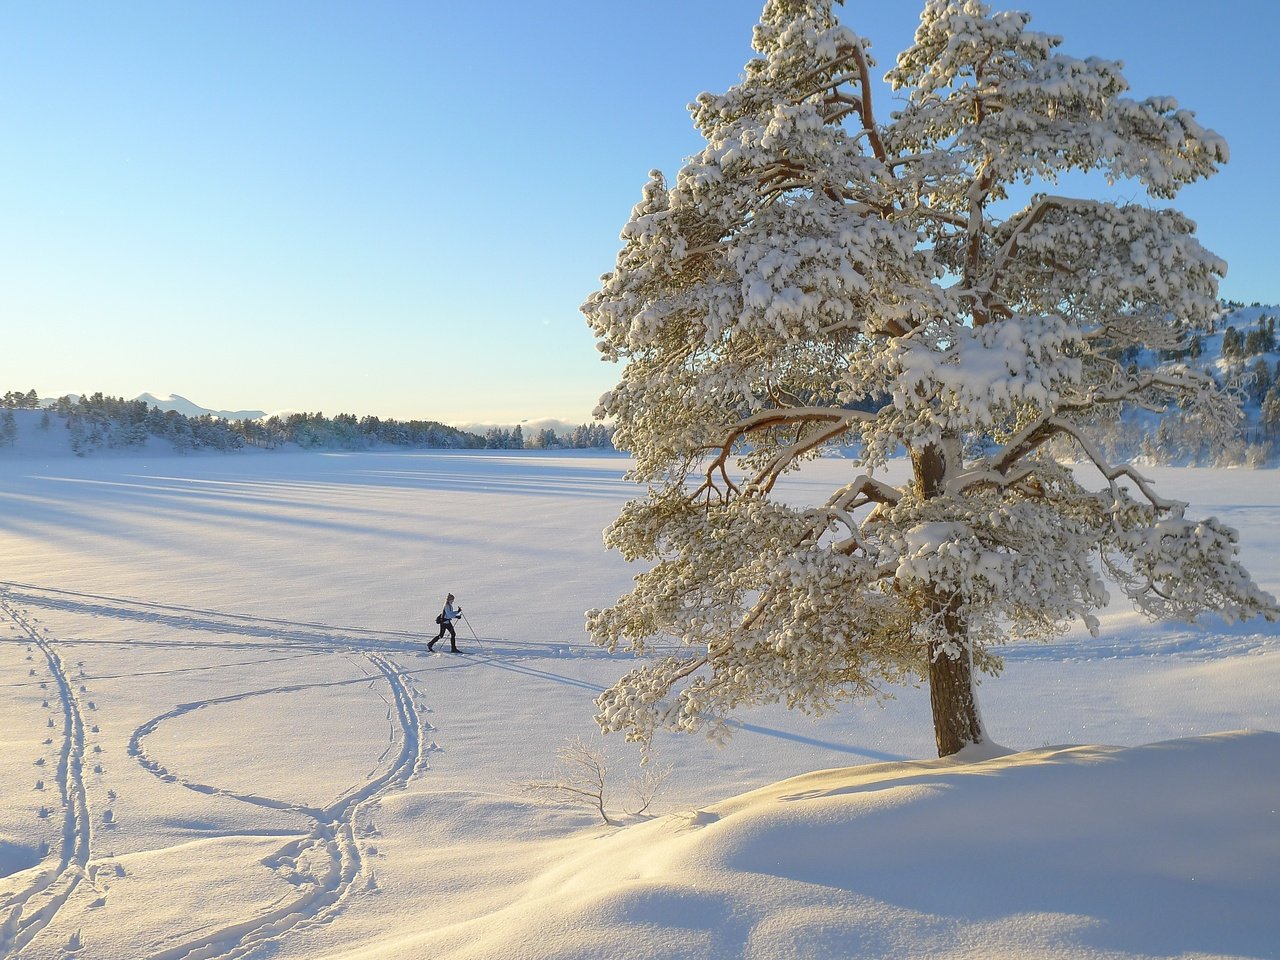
x: 816, y: 277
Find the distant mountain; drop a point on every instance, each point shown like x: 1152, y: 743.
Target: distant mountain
x: 190, y: 409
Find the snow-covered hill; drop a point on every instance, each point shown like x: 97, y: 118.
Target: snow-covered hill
x: 222, y: 736
x: 1240, y: 349
x: 173, y: 401
x: 189, y: 408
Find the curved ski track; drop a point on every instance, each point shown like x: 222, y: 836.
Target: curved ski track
x: 325, y: 864
x: 331, y: 842
x: 25, y: 913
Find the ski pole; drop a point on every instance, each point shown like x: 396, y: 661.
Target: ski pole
x: 472, y: 629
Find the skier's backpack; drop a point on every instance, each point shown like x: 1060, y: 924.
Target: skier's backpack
x: 440, y: 617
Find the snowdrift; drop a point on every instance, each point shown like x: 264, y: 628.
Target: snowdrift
x: 1171, y: 849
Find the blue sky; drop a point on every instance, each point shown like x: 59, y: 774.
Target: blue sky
x: 396, y: 208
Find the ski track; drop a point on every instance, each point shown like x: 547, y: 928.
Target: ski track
x: 1212, y: 641
x: 269, y: 632
x: 324, y: 864
x: 25, y: 913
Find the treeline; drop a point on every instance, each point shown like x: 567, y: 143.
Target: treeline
x: 346, y: 432
x: 315, y: 431
x: 99, y: 421
x: 20, y: 401
x: 587, y: 436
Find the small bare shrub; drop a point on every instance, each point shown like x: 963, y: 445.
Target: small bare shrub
x: 581, y: 778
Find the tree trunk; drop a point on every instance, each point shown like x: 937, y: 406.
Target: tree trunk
x: 956, y: 723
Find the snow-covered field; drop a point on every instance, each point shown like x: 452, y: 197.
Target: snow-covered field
x: 221, y: 736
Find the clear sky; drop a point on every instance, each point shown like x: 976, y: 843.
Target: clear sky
x: 397, y: 207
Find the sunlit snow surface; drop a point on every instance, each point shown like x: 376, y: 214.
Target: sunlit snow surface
x: 220, y: 736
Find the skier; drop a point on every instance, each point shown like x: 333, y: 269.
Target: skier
x: 446, y: 618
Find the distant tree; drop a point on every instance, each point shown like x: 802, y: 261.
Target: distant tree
x: 344, y: 432
x: 16, y: 400
x: 590, y: 435
x: 1269, y: 413
x: 79, y: 436
x: 8, y: 428
x: 544, y: 439
x: 811, y: 259
x: 181, y: 436
x: 1259, y: 380
x: 1232, y: 346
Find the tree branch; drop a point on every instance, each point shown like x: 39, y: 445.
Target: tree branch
x: 783, y: 458
x: 1113, y: 473
x: 868, y: 117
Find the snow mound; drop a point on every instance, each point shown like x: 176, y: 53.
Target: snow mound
x: 1086, y: 851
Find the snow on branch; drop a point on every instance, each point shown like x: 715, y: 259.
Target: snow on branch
x: 959, y: 379
x: 1178, y: 568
